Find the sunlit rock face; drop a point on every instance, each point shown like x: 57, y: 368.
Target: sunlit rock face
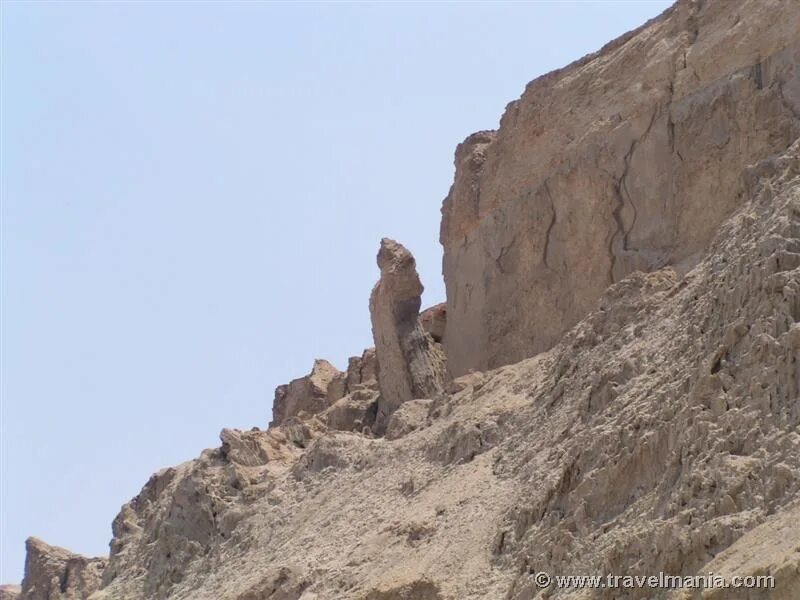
x: 622, y: 331
x: 410, y: 362
x: 628, y: 159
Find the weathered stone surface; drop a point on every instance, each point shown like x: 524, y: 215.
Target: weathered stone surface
x: 280, y: 583
x: 627, y: 159
x: 362, y: 370
x: 354, y: 412
x: 410, y: 364
x: 10, y: 592
x: 659, y: 434
x: 307, y: 394
x: 409, y: 416
x: 434, y: 321
x: 256, y: 447
x: 770, y: 550
x: 416, y: 590
x: 53, y: 573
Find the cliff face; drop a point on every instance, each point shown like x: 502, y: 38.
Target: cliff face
x: 627, y: 247
x: 626, y: 160
x: 660, y: 434
x: 55, y: 573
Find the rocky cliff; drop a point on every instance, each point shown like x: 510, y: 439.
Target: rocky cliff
x: 626, y: 160
x: 612, y: 387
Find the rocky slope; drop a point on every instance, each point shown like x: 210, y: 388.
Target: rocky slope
x: 637, y: 286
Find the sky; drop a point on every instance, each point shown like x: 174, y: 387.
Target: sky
x: 192, y: 200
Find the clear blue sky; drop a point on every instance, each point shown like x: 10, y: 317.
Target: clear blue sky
x: 192, y: 199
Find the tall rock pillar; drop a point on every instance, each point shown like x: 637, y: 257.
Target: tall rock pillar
x: 410, y: 363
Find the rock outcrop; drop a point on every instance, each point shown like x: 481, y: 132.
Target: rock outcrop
x: 309, y: 394
x: 613, y: 232
x: 10, y: 592
x: 410, y: 364
x: 434, y: 321
x: 53, y: 573
x: 658, y: 435
x: 626, y: 160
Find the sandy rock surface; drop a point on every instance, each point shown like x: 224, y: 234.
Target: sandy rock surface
x: 613, y: 386
x: 410, y: 363
x: 628, y: 159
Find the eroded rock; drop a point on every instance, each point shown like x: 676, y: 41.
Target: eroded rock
x: 434, y: 321
x: 628, y: 159
x: 410, y: 364
x: 307, y: 394
x: 53, y: 573
x: 10, y: 592
x: 409, y: 416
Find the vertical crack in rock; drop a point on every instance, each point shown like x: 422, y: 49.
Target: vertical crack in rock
x: 410, y: 363
x: 550, y: 226
x: 620, y: 187
x: 503, y: 251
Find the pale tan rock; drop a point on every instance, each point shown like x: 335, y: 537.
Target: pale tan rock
x: 628, y: 159
x: 410, y: 364
x: 434, y: 321
x: 255, y: 447
x: 362, y: 370
x: 53, y: 573
x: 416, y: 590
x: 337, y: 388
x: 354, y: 411
x: 659, y: 433
x: 408, y: 417
x: 282, y: 583
x: 766, y: 559
x: 307, y: 394
x: 10, y: 592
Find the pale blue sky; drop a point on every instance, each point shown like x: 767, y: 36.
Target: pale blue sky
x: 192, y: 199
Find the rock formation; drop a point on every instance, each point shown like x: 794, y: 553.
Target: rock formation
x: 53, y: 573
x: 10, y: 592
x: 625, y: 160
x: 434, y: 321
x: 410, y: 363
x: 307, y: 394
x: 622, y: 332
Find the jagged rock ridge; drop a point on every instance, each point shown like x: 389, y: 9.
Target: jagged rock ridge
x: 653, y: 423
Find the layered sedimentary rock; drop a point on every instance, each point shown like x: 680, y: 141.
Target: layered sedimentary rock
x: 307, y: 394
x: 344, y: 400
x: 53, y: 573
x: 410, y: 363
x: 357, y: 407
x: 627, y: 159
